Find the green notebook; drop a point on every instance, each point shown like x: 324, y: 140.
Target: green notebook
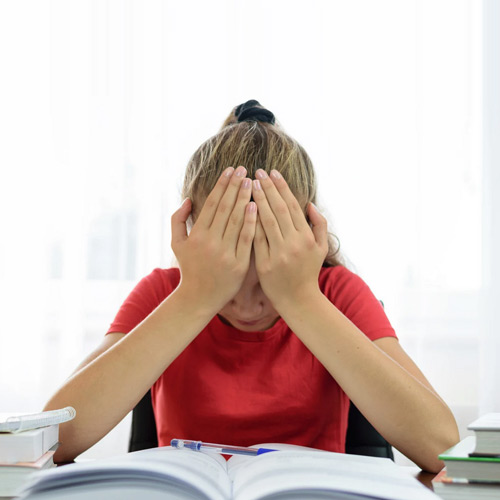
x: 459, y: 463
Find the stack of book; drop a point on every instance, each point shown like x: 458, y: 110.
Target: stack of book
x: 473, y: 466
x: 27, y: 446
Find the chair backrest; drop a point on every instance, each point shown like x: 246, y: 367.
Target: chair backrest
x: 361, y: 439
x: 143, y: 432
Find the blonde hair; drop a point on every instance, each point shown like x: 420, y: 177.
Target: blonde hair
x: 254, y: 144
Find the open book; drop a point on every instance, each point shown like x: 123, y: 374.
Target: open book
x: 292, y: 473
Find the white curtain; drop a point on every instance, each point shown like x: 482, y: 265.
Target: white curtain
x: 103, y: 101
x: 490, y: 338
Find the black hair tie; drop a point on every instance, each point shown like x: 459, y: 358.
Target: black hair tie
x: 249, y: 111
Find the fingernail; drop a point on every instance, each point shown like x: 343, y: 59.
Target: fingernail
x: 240, y: 171
x: 275, y: 174
x: 229, y: 171
x: 256, y: 185
x: 252, y: 207
x: 246, y: 183
x: 260, y: 174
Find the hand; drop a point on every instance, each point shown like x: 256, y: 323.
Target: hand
x: 215, y: 257
x: 288, y: 253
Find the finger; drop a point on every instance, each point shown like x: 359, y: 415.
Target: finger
x: 209, y: 209
x: 319, y: 225
x: 227, y: 203
x: 178, y: 222
x: 266, y: 216
x: 237, y: 217
x: 247, y: 233
x: 294, y: 208
x: 260, y: 243
x: 277, y: 203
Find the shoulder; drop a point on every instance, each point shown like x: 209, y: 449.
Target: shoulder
x: 353, y: 297
x: 338, y: 281
x: 161, y: 282
x: 147, y: 294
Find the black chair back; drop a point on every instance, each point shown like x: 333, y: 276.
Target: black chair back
x: 143, y: 433
x: 361, y: 439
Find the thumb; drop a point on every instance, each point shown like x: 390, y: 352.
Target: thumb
x: 178, y: 222
x: 319, y: 224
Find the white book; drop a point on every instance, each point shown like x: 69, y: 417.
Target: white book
x: 13, y: 477
x: 487, y: 431
x: 165, y: 473
x: 27, y: 446
x: 452, y: 488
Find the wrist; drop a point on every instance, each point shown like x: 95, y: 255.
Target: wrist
x: 302, y: 299
x: 196, y: 302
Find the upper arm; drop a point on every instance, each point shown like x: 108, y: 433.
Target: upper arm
x: 392, y: 347
x: 108, y: 341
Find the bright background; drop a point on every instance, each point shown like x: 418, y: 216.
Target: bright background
x: 102, y: 103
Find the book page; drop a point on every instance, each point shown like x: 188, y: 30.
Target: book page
x: 236, y: 462
x: 205, y: 471
x: 159, y: 469
x: 311, y: 474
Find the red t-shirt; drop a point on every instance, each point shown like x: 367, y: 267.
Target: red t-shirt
x: 243, y: 388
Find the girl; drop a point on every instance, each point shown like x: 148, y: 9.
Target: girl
x: 261, y: 334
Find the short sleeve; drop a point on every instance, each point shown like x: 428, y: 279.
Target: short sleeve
x: 352, y: 296
x: 147, y: 295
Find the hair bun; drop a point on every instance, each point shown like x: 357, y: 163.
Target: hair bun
x: 253, y: 111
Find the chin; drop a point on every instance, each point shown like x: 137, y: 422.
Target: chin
x: 258, y: 327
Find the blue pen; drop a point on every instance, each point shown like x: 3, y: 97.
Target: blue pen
x: 218, y: 448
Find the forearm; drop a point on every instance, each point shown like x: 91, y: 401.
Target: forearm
x: 105, y: 390
x: 411, y: 416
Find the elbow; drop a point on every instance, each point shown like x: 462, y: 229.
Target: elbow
x: 61, y: 456
x: 432, y: 465
x: 66, y: 452
x: 424, y: 447
x: 429, y: 462
x: 68, y: 433
x: 63, y: 453
x: 439, y: 444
